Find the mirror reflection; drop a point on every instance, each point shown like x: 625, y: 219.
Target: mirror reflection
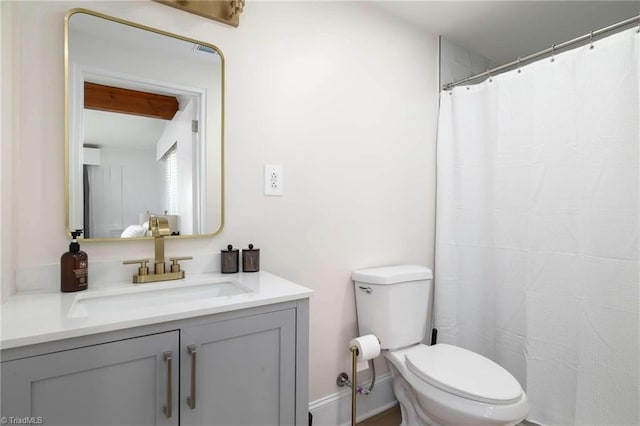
x: 144, y: 111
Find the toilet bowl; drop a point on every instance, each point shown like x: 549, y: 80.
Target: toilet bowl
x: 447, y: 385
x: 439, y: 384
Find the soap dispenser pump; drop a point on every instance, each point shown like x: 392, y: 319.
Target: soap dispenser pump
x: 74, y: 266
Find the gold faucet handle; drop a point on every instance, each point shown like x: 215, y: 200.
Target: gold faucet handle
x: 143, y: 269
x: 175, y: 266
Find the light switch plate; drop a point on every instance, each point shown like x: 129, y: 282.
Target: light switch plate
x: 273, y: 180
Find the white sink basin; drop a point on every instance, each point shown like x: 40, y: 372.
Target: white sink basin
x: 147, y: 297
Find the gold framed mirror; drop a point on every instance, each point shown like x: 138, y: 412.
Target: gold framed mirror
x: 144, y: 129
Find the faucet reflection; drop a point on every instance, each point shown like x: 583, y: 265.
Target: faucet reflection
x: 159, y: 227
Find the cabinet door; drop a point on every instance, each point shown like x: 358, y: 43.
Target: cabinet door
x: 119, y: 383
x: 244, y: 371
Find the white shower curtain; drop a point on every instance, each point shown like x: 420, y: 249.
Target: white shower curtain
x: 537, y: 229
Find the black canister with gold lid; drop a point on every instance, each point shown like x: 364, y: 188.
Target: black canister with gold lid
x: 250, y: 259
x: 230, y: 260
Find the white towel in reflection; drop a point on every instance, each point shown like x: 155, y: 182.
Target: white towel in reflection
x: 133, y: 231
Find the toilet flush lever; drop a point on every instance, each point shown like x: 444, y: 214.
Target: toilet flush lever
x: 367, y: 290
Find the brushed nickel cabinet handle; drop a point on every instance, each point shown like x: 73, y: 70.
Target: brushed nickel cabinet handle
x: 168, y: 409
x: 191, y: 399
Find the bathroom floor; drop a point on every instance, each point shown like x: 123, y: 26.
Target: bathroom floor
x: 391, y: 417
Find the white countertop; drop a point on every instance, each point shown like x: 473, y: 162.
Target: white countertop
x: 42, y: 316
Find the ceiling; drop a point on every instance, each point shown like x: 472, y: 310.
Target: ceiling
x: 113, y: 130
x: 125, y: 131
x: 499, y: 30
x: 502, y: 31
x: 83, y: 24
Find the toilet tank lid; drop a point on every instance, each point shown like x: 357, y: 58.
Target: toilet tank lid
x: 392, y: 274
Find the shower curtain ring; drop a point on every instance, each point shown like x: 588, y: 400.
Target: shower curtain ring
x: 553, y: 49
x: 591, y: 40
x: 489, y: 74
x: 519, y: 70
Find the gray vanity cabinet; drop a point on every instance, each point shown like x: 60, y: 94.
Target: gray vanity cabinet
x: 246, y: 367
x: 117, y: 383
x: 241, y: 371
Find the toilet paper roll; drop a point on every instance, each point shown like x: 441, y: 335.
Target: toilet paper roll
x: 368, y: 347
x: 362, y: 365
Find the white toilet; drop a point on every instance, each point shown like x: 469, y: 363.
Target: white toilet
x: 435, y: 385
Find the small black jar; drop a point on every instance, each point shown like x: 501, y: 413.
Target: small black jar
x: 250, y: 259
x: 230, y: 260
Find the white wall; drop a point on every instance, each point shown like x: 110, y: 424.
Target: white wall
x: 341, y: 94
x: 457, y: 62
x: 5, y: 261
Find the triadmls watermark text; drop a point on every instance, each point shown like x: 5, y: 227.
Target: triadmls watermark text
x: 27, y: 420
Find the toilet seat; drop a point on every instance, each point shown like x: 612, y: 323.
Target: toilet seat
x: 463, y: 373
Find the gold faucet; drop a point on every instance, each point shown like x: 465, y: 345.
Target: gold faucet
x: 159, y: 227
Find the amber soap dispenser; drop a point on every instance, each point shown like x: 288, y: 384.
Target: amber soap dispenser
x: 74, y: 267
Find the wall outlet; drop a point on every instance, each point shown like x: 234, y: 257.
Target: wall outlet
x: 273, y: 180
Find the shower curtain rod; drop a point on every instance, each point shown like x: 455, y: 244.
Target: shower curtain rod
x: 552, y: 50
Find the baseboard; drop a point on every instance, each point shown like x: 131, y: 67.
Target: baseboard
x: 335, y: 409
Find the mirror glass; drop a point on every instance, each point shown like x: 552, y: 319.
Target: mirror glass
x: 144, y: 133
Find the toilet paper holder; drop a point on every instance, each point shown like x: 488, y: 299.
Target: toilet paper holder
x: 343, y: 380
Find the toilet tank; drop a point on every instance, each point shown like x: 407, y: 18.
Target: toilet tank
x: 392, y: 302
